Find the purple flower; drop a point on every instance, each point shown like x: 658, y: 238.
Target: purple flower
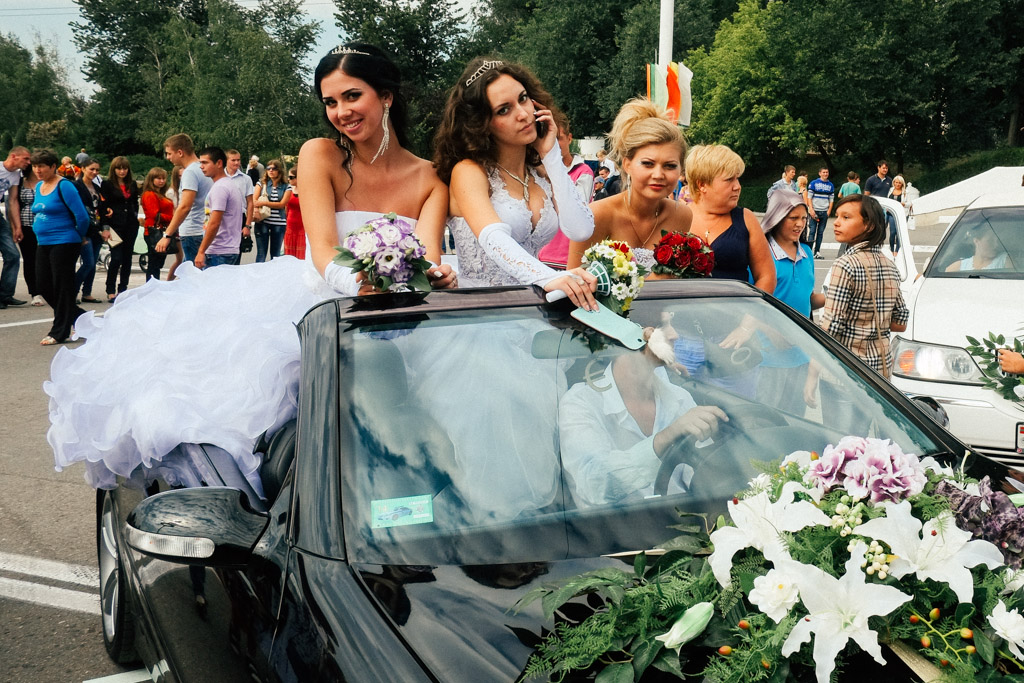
x: 827, y: 471
x: 362, y: 243
x: 388, y: 261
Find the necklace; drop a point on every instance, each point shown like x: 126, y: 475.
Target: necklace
x: 525, y: 182
x: 657, y: 220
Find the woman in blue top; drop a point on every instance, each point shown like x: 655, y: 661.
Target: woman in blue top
x: 60, y: 225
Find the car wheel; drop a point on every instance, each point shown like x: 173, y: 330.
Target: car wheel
x: 118, y: 621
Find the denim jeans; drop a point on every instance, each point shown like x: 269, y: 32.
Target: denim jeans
x: 12, y: 260
x: 87, y: 271
x: 268, y: 238
x: 190, y: 245
x: 222, y: 260
x: 894, y: 235
x: 819, y: 221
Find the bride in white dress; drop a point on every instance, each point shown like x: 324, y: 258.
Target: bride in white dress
x: 510, y: 191
x: 213, y: 357
x: 650, y: 150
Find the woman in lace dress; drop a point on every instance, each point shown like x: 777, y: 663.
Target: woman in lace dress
x: 510, y: 191
x: 241, y: 379
x: 650, y: 151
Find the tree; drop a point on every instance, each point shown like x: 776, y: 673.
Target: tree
x: 35, y: 92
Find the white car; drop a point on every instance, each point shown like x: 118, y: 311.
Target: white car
x: 972, y: 285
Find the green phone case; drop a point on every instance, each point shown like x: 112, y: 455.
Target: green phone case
x: 613, y: 325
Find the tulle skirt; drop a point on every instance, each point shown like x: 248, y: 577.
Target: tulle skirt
x: 212, y: 357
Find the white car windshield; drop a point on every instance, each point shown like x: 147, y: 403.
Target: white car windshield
x: 986, y: 243
x: 510, y: 436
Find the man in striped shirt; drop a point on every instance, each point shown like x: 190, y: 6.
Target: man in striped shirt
x: 821, y: 192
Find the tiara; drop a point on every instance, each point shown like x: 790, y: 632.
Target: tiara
x: 344, y: 50
x: 480, y: 72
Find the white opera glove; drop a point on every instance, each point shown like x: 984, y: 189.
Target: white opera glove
x: 498, y: 243
x: 341, y: 279
x: 574, y: 215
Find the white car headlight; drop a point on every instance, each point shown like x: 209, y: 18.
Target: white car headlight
x: 934, y: 362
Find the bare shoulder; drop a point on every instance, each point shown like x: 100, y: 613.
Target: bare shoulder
x: 468, y: 171
x: 320, y: 152
x: 750, y: 220
x: 679, y: 217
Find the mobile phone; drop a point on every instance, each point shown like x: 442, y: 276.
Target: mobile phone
x: 542, y: 129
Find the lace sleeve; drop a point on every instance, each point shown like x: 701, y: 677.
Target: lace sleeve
x: 497, y: 241
x: 574, y: 215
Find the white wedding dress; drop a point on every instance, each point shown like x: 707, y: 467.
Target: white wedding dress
x: 212, y: 357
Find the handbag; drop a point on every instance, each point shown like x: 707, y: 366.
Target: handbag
x: 114, y: 239
x: 263, y: 213
x: 245, y: 246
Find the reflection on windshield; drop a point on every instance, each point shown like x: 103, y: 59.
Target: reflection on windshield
x: 984, y: 242
x: 482, y: 438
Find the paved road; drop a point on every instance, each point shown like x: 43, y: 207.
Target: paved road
x: 49, y: 612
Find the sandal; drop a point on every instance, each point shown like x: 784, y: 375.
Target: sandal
x: 110, y: 298
x: 48, y: 341
x: 90, y: 300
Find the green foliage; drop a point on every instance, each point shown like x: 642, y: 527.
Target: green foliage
x: 38, y: 108
x: 985, y: 352
x: 964, y: 167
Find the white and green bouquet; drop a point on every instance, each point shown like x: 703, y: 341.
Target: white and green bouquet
x: 619, y: 276
x: 861, y: 551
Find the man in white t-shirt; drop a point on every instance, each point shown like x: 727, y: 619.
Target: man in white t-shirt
x: 190, y: 215
x: 224, y: 208
x: 243, y: 182
x: 10, y: 230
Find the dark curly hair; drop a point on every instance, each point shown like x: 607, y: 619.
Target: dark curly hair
x: 873, y: 215
x: 463, y: 133
x: 377, y: 69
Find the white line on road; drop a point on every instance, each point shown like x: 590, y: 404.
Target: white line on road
x: 61, y: 598
x: 27, y: 322
x: 48, y: 569
x: 127, y: 677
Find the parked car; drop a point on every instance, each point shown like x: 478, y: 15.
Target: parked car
x: 434, y: 476
x: 972, y: 285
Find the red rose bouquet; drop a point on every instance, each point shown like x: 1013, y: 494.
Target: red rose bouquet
x: 683, y: 256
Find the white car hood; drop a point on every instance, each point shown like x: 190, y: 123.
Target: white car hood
x: 945, y: 310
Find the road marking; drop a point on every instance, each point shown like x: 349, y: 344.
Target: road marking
x: 61, y: 598
x: 48, y: 569
x: 126, y: 677
x: 27, y: 322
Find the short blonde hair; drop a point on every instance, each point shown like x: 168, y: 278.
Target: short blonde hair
x: 640, y: 123
x: 704, y: 163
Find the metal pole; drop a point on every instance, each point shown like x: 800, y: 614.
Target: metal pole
x: 665, y: 33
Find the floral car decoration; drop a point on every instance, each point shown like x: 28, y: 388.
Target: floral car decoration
x: 388, y: 253
x: 619, y: 276
x: 683, y: 256
x: 863, y: 548
x: 985, y: 351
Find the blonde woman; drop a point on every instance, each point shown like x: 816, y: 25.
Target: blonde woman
x: 897, y: 192
x: 741, y: 250
x: 650, y: 151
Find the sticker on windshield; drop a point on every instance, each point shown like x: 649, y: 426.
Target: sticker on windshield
x: 401, y: 511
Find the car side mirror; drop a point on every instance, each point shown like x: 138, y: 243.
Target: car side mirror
x: 933, y: 409
x: 208, y: 526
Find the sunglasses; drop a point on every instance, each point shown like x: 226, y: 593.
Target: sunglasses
x: 273, y: 168
x: 291, y: 176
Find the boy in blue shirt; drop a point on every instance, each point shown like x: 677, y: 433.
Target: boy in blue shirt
x: 822, y: 193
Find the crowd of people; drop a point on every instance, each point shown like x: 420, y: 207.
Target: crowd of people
x: 121, y: 204
x: 503, y: 182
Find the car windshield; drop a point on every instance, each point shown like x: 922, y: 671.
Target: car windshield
x: 489, y: 437
x: 985, y: 243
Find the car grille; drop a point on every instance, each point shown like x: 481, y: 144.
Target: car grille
x: 1006, y: 456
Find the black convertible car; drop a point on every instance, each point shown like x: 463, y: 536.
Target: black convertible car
x: 451, y: 452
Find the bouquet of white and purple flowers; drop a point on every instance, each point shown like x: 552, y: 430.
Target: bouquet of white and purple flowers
x: 388, y: 254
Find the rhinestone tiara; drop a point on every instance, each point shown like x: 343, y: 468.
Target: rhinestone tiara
x: 480, y: 72
x: 343, y: 50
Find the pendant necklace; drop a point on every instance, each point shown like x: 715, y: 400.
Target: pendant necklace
x: 657, y: 220
x: 524, y: 182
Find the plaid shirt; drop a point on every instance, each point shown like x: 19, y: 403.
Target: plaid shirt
x: 848, y: 315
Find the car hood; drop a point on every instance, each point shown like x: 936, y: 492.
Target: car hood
x: 946, y: 310
x: 460, y: 621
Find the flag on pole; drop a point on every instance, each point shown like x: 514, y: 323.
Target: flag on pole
x: 669, y: 88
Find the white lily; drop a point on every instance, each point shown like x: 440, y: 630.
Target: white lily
x: 1008, y: 625
x: 759, y: 523
x: 1014, y: 580
x: 839, y: 610
x: 941, y: 552
x: 687, y: 627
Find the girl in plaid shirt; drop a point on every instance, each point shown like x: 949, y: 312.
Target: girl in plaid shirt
x: 864, y: 303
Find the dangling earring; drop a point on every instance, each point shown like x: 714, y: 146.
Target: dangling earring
x: 387, y: 134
